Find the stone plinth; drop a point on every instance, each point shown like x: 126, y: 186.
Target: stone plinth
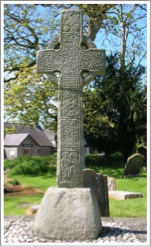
x: 122, y: 195
x: 68, y: 214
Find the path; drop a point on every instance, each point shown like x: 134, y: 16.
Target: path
x: 19, y: 229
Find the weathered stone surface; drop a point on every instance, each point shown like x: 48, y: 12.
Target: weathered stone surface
x: 134, y: 164
x: 111, y: 183
x: 68, y: 214
x: 98, y: 183
x: 70, y: 61
x: 122, y: 195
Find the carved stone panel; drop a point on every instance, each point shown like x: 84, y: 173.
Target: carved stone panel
x: 69, y: 56
x: 71, y: 22
x: 70, y: 134
x: 70, y: 168
x: 70, y: 104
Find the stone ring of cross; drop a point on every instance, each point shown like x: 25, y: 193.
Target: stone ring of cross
x: 86, y: 44
x: 71, y: 55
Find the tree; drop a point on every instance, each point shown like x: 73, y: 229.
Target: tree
x: 115, y: 109
x: 124, y: 33
x: 30, y: 27
x: 29, y: 97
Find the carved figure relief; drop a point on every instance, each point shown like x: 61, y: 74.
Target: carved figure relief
x: 71, y: 22
x: 70, y: 165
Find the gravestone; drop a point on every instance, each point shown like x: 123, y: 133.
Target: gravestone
x: 133, y: 165
x: 70, y: 61
x: 98, y: 183
x: 123, y: 195
x: 143, y: 151
x: 111, y: 183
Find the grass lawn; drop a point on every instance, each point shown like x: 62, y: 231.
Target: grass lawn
x: 12, y: 204
x: 123, y: 208
x: 131, y: 207
x: 38, y: 182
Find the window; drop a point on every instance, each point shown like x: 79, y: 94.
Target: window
x: 27, y: 152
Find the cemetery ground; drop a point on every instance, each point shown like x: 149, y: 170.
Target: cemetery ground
x: 27, y: 182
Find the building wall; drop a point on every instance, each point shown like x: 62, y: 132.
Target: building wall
x: 11, y: 152
x: 27, y: 148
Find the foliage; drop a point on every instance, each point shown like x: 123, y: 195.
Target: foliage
x: 35, y: 165
x: 28, y: 95
x: 97, y: 160
x: 30, y: 27
x: 125, y: 31
x: 115, y: 109
x: 11, y: 182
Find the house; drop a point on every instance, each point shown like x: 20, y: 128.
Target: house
x: 26, y: 141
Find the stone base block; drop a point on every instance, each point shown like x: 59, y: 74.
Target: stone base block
x: 68, y: 214
x: 122, y: 195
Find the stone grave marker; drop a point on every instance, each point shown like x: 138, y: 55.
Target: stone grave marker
x: 133, y: 165
x: 111, y: 183
x: 98, y: 183
x: 70, y: 212
x: 123, y: 195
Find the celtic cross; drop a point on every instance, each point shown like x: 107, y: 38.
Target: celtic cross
x: 70, y: 62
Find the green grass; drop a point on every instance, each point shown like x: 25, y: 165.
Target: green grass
x: 123, y: 208
x: 11, y: 204
x: 38, y: 182
x: 131, y: 207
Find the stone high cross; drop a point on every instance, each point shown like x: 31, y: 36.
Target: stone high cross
x: 71, y: 62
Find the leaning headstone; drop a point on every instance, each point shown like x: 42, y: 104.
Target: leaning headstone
x: 71, y: 62
x: 98, y: 183
x: 111, y: 183
x: 133, y: 165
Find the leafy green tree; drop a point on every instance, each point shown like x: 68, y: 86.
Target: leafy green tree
x: 29, y: 97
x: 115, y: 109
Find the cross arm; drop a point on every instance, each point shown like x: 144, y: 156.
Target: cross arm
x: 92, y: 61
x: 48, y: 60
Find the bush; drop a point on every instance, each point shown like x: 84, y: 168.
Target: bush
x: 12, y: 182
x: 116, y: 156
x: 30, y: 165
x: 114, y: 160
x: 94, y: 160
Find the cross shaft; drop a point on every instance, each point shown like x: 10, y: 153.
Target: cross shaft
x: 71, y: 59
